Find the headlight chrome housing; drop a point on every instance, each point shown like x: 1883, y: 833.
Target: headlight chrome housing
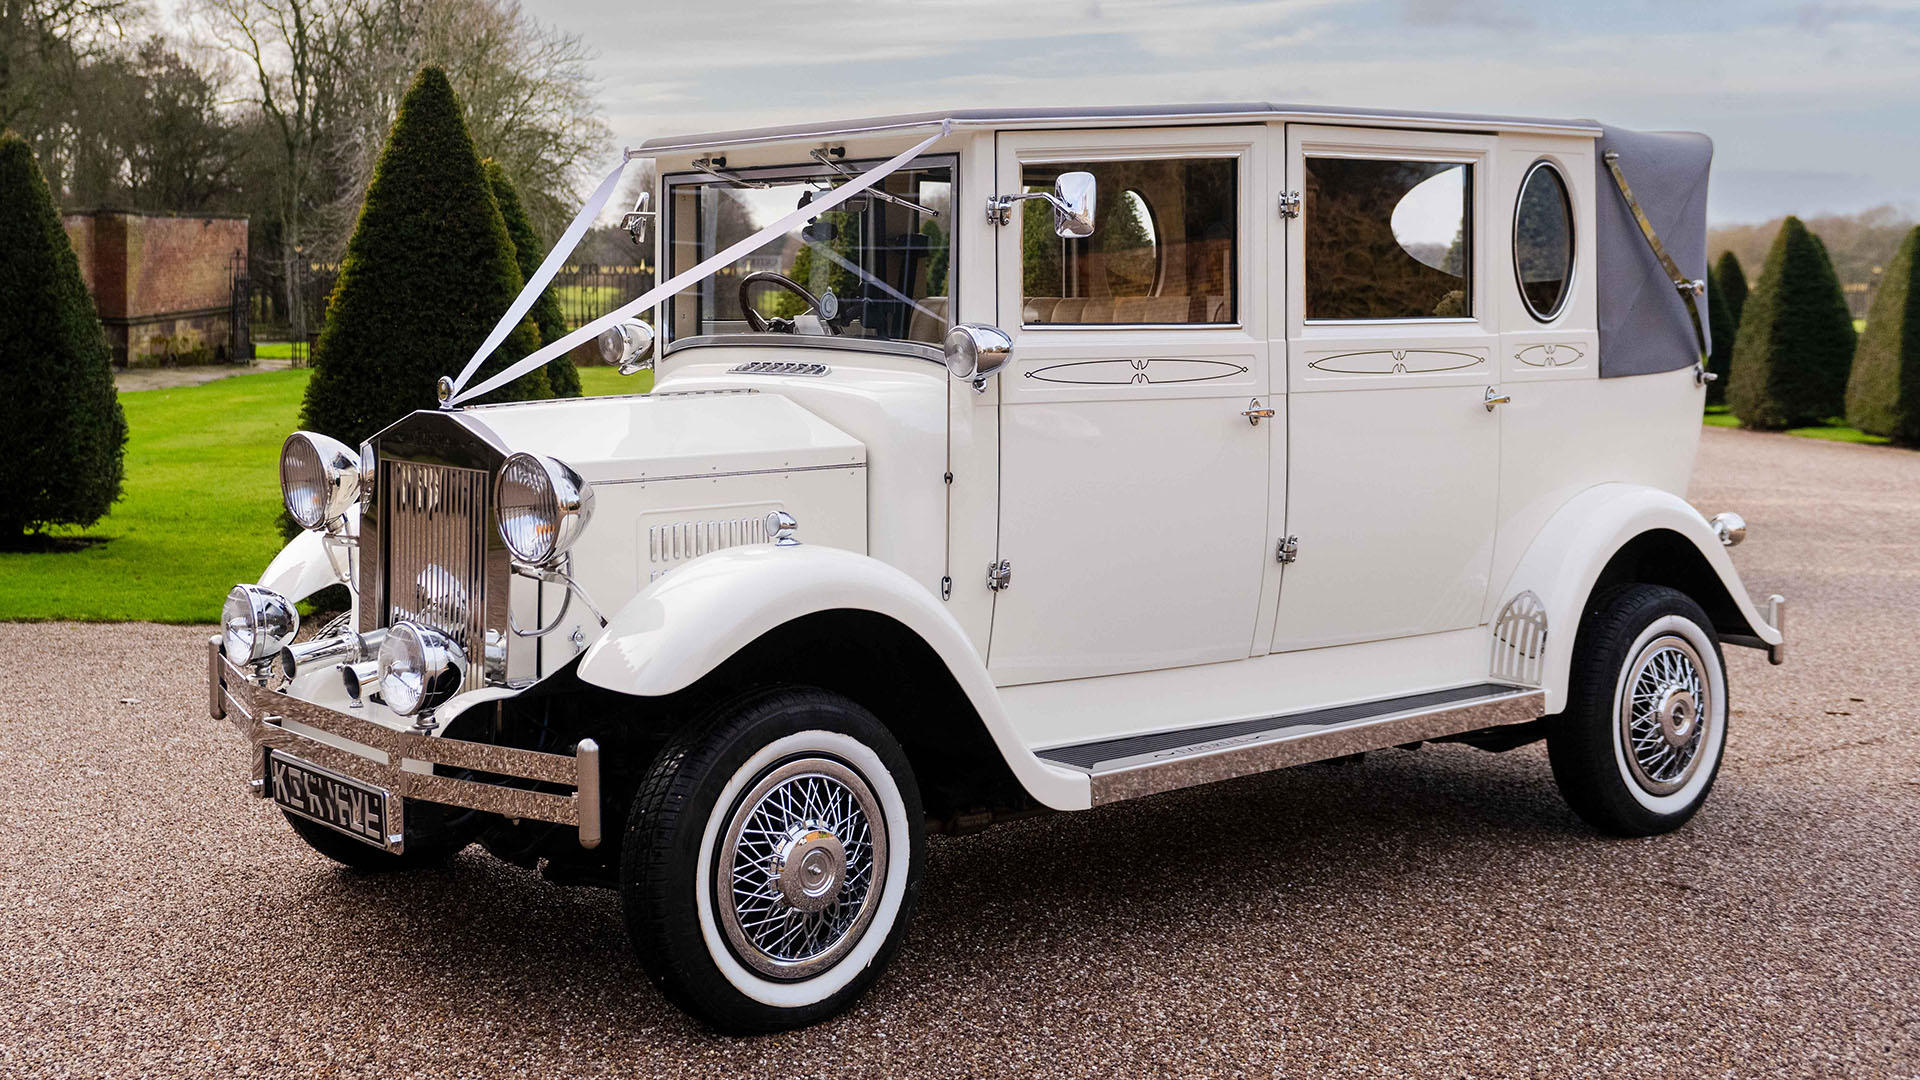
x: 418, y: 668
x: 256, y: 623
x: 543, y: 505
x: 319, y: 478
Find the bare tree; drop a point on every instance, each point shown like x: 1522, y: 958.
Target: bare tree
x: 297, y: 57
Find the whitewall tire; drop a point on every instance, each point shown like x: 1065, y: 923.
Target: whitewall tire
x: 1641, y: 740
x: 772, y: 860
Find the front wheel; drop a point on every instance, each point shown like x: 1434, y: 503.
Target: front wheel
x: 1639, y: 745
x: 772, y: 860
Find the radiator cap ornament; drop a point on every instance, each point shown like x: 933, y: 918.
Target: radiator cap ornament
x: 444, y: 391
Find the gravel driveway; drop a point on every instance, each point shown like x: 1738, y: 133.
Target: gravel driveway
x: 1434, y: 913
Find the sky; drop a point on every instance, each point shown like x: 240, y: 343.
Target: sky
x: 1813, y: 107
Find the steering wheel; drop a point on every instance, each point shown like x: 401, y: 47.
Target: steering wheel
x: 760, y: 323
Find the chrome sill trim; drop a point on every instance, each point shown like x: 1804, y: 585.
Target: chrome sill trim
x: 263, y: 716
x: 1208, y: 761
x: 917, y: 350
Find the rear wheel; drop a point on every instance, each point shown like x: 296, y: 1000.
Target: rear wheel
x: 772, y: 860
x: 1639, y: 745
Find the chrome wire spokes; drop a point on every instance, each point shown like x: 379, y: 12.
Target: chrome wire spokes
x: 1665, y: 710
x: 799, y: 867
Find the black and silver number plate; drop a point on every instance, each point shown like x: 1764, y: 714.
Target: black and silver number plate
x: 349, y: 806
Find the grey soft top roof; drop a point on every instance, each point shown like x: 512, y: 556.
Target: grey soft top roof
x: 1226, y: 111
x: 1644, y: 324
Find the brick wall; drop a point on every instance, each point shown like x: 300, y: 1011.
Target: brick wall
x: 162, y: 283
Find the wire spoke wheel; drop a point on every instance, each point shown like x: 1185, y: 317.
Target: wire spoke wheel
x: 800, y: 867
x: 1665, y: 710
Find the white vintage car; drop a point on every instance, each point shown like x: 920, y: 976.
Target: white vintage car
x: 1005, y: 462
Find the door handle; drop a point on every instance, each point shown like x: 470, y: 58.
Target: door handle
x: 1256, y: 412
x: 1495, y: 397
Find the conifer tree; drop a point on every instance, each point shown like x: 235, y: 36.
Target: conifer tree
x: 1883, y: 393
x: 428, y: 272
x: 1794, y: 348
x: 1733, y: 285
x: 528, y: 253
x: 62, y: 433
x: 1720, y: 328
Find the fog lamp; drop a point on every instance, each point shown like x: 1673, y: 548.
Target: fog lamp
x: 418, y: 668
x: 256, y: 623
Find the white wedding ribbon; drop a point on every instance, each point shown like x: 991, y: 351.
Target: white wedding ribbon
x: 538, y: 282
x: 698, y: 273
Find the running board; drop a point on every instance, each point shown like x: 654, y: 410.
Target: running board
x: 1138, y: 765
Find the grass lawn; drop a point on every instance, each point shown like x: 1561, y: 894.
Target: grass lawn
x: 1834, y: 430
x: 198, y: 509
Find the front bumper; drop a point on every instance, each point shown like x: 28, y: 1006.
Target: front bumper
x: 402, y: 762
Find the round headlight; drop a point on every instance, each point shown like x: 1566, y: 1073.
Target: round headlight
x: 319, y: 478
x: 418, y: 668
x: 256, y: 623
x: 543, y: 505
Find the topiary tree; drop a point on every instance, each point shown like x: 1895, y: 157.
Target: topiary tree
x: 1733, y: 285
x: 528, y: 253
x: 62, y: 434
x: 1794, y: 348
x: 1720, y: 328
x: 1883, y: 393
x: 428, y: 272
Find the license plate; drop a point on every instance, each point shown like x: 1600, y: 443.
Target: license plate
x: 349, y: 806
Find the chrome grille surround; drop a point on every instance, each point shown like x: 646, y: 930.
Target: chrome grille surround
x: 431, y: 552
x: 436, y: 550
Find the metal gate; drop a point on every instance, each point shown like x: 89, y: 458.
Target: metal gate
x: 240, y: 312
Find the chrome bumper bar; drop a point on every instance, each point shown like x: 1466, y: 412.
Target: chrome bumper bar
x: 1777, y: 618
x: 262, y: 714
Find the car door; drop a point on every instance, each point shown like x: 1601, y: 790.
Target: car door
x: 1392, y: 384
x: 1133, y: 479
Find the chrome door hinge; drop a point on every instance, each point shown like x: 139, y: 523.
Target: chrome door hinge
x: 1287, y: 550
x: 1289, y: 204
x: 999, y: 575
x: 946, y: 588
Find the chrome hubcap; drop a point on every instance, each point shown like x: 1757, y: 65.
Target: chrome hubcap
x: 1664, y: 714
x: 800, y: 867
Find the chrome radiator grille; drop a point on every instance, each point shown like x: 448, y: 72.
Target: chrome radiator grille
x: 436, y: 519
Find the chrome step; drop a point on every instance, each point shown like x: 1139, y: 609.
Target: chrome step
x: 1137, y: 765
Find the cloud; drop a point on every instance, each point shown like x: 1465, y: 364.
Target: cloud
x: 1480, y: 13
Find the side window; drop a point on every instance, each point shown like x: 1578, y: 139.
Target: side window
x: 1388, y: 239
x: 1163, y: 250
x: 1543, y: 241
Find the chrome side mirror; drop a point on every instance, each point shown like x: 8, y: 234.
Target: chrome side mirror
x: 976, y: 351
x: 1074, y: 198
x: 628, y: 346
x: 638, y: 221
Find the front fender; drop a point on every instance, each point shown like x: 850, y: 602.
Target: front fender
x: 1567, y: 557
x: 687, y: 623
x: 310, y: 563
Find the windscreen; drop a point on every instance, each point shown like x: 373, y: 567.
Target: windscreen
x: 876, y: 267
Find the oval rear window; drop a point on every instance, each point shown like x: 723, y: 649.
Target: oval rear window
x: 1543, y: 241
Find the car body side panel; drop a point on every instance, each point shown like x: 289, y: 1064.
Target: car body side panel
x: 1569, y: 553
x: 686, y: 624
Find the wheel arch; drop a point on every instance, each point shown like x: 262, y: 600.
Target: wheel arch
x: 844, y: 622
x: 1620, y: 533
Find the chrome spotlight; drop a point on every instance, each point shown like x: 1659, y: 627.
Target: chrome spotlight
x: 628, y: 346
x: 976, y: 350
x: 256, y: 623
x: 418, y: 668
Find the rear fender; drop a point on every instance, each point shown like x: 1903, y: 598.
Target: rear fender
x: 1586, y: 538
x: 686, y: 624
